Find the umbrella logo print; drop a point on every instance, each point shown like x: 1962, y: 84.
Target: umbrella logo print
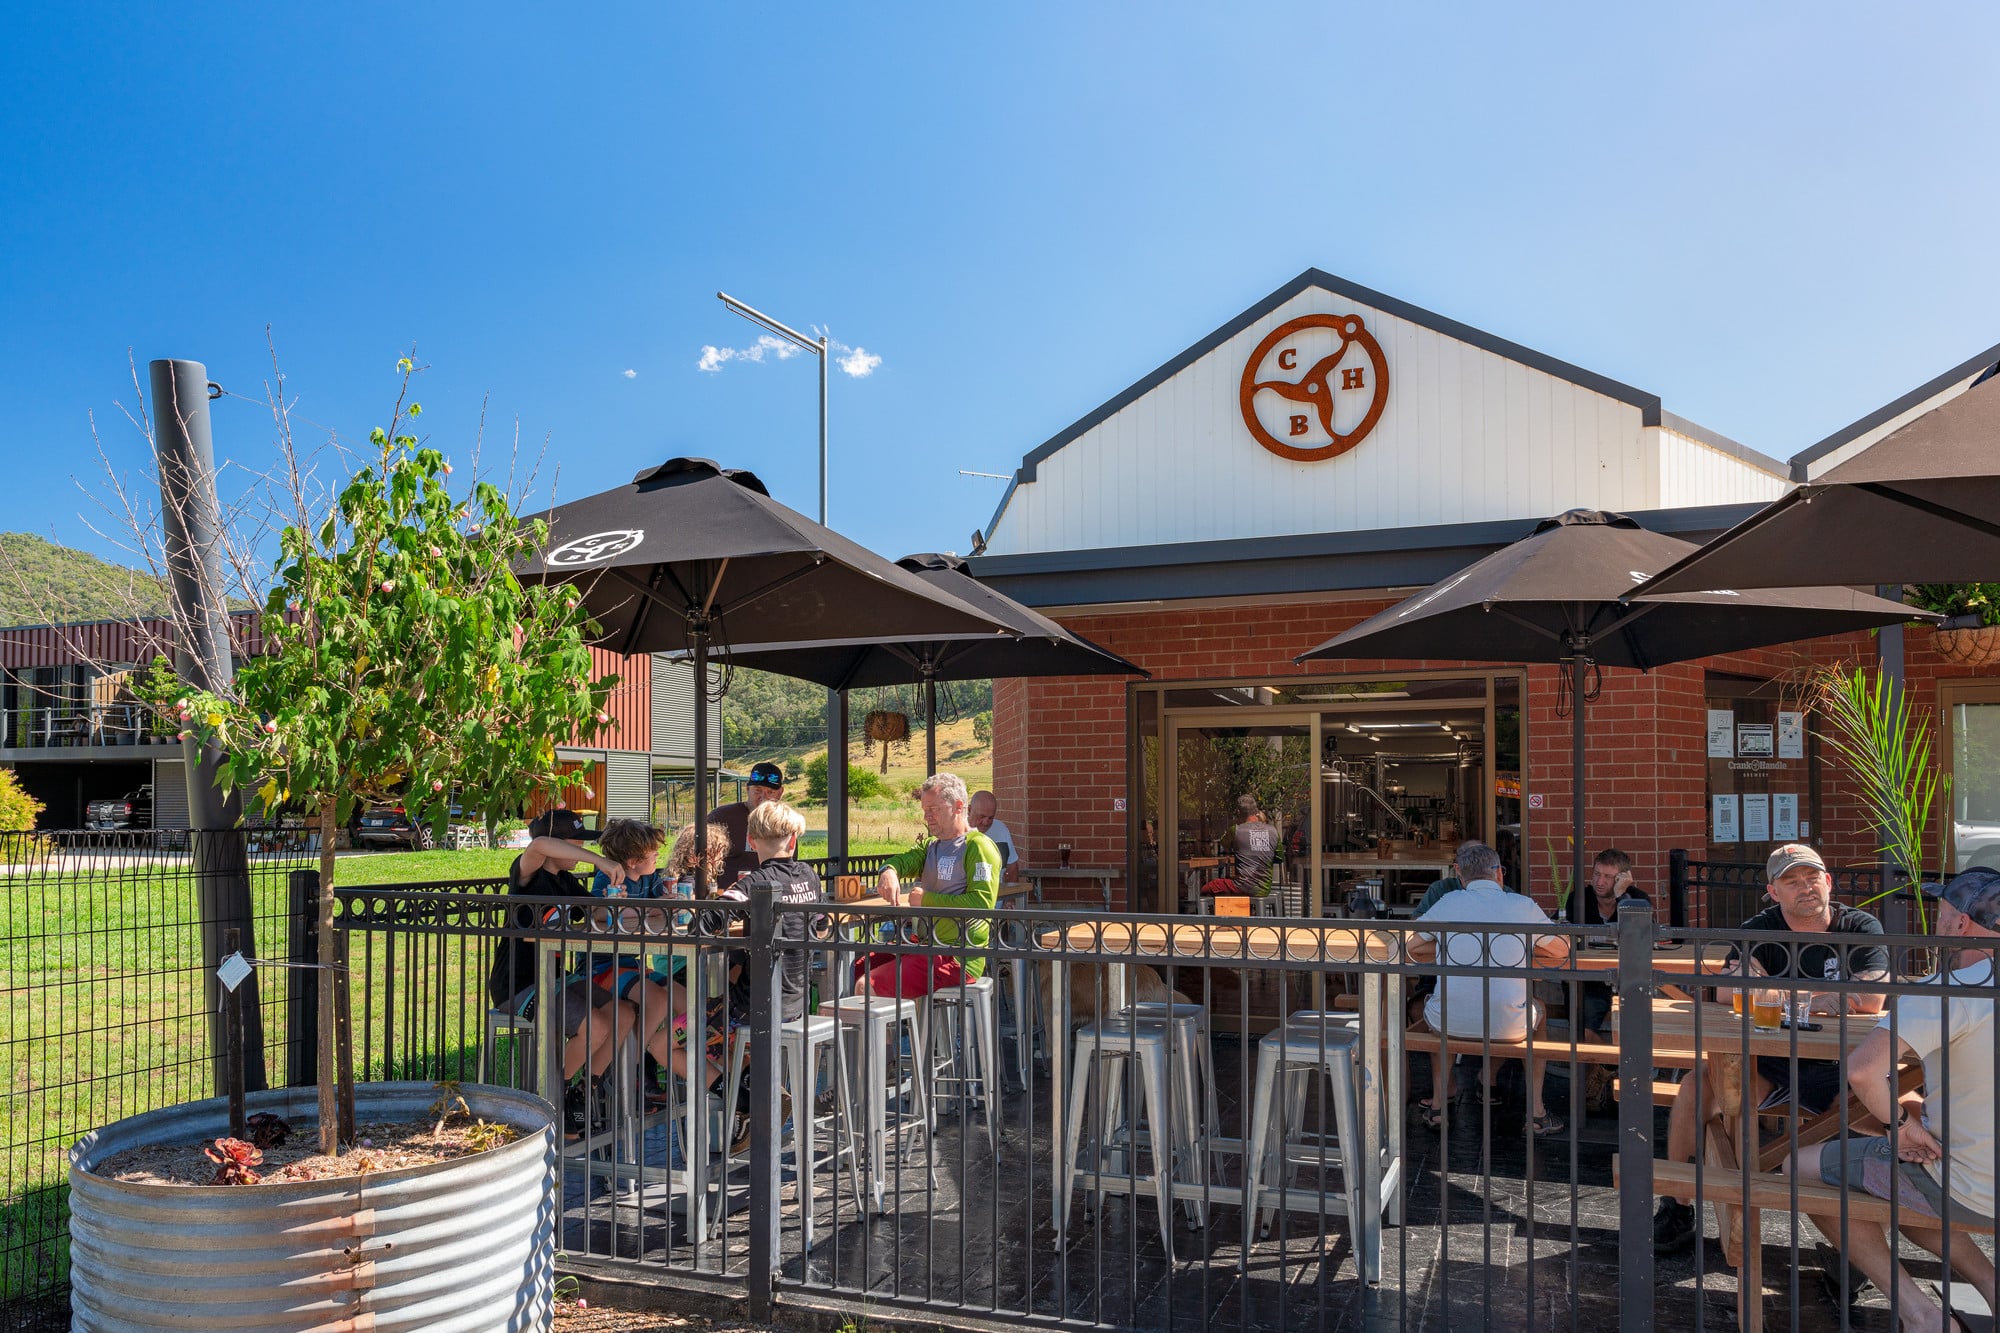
x: 1314, y: 387
x: 596, y: 548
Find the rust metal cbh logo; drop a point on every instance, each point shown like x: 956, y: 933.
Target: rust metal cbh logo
x: 1315, y: 387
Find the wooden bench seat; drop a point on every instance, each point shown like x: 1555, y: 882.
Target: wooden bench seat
x: 1721, y: 1184
x: 1663, y: 1092
x: 1546, y: 1050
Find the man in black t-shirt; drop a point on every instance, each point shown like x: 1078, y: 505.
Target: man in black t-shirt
x: 766, y: 783
x: 1802, y: 894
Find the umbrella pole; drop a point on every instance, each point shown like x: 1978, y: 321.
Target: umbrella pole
x: 699, y: 641
x: 1576, y: 668
x: 930, y: 726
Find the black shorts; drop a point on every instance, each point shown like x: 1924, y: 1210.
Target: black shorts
x: 1819, y: 1083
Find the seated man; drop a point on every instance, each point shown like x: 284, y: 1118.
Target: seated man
x: 984, y: 815
x: 1796, y: 879
x: 960, y: 867
x: 1476, y: 1006
x: 1938, y: 1149
x: 1450, y: 883
x: 1596, y: 904
x: 1254, y: 847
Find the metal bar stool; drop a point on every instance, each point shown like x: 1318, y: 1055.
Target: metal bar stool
x: 1301, y: 1048
x: 878, y: 1022
x: 803, y: 1043
x: 1102, y: 1050
x: 1194, y: 1063
x: 964, y: 1023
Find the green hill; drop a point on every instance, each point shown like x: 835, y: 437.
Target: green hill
x: 42, y: 583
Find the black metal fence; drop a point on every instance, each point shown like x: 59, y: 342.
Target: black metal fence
x: 958, y: 1168
x: 1004, y: 1148
x: 106, y: 1012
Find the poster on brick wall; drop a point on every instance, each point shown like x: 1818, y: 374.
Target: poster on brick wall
x: 1721, y: 733
x: 1724, y: 821
x: 1784, y: 815
x: 1791, y: 735
x: 1756, y: 817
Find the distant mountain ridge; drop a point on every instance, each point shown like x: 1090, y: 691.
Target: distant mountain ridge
x: 42, y: 582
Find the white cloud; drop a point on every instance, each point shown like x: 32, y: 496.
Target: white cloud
x: 860, y: 363
x: 714, y: 358
x: 630, y: 374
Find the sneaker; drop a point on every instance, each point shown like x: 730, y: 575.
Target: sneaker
x: 1674, y: 1227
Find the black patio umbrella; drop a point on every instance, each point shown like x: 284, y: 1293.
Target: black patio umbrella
x: 1042, y: 648
x: 1562, y: 594
x: 1920, y: 505
x: 694, y: 557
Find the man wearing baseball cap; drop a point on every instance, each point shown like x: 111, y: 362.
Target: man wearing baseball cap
x: 1938, y: 1155
x: 1802, y: 903
x: 765, y: 783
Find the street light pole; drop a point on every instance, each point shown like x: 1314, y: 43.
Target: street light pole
x: 836, y: 700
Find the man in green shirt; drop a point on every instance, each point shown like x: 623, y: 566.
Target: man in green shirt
x: 959, y: 867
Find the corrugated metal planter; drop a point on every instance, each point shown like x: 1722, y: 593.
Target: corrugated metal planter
x: 465, y: 1246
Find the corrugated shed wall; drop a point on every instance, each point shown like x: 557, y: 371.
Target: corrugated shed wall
x: 108, y: 641
x: 630, y: 702
x: 170, y: 794
x: 628, y: 781
x: 673, y: 712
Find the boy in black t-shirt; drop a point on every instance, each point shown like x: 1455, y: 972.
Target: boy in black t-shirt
x: 774, y: 830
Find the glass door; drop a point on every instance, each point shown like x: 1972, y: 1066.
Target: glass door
x: 1972, y: 714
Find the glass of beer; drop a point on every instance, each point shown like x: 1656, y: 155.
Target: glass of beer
x: 1736, y: 1001
x: 1767, y: 1008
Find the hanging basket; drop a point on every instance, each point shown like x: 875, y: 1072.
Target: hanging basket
x: 1968, y: 647
x: 888, y: 727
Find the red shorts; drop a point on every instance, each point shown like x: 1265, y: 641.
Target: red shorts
x: 906, y: 975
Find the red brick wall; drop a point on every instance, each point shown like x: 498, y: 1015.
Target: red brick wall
x: 1059, y: 744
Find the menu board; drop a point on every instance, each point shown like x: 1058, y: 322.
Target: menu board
x: 1754, y: 740
x: 1724, y: 822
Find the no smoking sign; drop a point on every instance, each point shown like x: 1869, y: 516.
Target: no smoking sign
x: 1535, y: 801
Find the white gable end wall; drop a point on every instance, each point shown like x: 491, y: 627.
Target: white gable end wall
x: 1466, y: 435
x: 1693, y: 472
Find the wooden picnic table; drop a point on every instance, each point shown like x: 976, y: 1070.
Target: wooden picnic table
x: 1381, y: 1129
x: 1732, y: 1139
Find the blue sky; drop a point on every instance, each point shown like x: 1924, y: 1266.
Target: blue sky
x: 1775, y: 216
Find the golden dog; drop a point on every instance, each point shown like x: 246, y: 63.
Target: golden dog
x: 1083, y: 987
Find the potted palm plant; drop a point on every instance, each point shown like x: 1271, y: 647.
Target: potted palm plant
x: 399, y: 657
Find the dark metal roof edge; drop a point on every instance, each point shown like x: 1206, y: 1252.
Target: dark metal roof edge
x: 1722, y: 443
x: 1647, y: 403
x: 1802, y: 461
x: 1310, y: 545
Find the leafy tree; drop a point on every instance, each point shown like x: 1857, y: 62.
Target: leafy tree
x: 400, y: 659
x: 862, y: 783
x: 18, y: 810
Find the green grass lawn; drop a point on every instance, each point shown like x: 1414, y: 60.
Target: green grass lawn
x: 102, y: 1012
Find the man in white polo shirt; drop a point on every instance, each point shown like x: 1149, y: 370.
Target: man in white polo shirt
x: 1470, y: 1005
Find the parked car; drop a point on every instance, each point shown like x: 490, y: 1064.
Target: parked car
x: 388, y: 825
x: 1977, y: 844
x: 133, y: 810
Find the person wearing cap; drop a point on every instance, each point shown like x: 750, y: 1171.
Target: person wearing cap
x: 1802, y: 902
x: 594, y: 1021
x: 1939, y: 1152
x: 765, y: 783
